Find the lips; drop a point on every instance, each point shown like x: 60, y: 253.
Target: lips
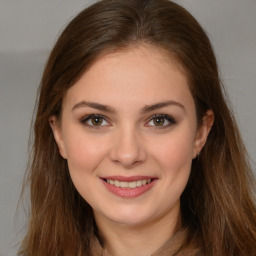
x: 126, y: 184
x: 129, y: 187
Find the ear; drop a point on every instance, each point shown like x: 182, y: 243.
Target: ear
x: 203, y: 132
x: 57, y: 133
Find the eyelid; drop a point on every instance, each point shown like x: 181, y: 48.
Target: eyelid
x: 171, y: 121
x: 169, y: 118
x: 84, y: 120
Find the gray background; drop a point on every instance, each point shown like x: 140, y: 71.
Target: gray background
x: 28, y: 30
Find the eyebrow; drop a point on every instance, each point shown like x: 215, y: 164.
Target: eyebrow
x: 94, y: 105
x: 149, y: 108
x: 144, y: 110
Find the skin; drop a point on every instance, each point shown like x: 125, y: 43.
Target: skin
x: 129, y: 142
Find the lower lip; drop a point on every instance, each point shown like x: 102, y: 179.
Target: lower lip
x: 129, y: 192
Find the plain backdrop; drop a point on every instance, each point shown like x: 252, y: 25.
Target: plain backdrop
x: 28, y: 30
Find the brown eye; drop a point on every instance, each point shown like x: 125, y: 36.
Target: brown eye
x: 97, y: 120
x: 161, y: 121
x: 158, y: 121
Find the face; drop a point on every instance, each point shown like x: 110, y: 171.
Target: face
x: 129, y: 133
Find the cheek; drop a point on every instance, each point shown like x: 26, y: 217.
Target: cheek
x: 84, y: 153
x: 174, y: 153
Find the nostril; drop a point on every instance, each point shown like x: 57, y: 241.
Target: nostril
x: 128, y: 152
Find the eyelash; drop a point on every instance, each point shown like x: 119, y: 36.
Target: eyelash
x: 88, y: 118
x: 171, y: 121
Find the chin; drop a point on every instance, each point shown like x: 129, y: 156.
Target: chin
x: 125, y: 215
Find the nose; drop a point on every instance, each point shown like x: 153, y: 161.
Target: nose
x: 128, y: 149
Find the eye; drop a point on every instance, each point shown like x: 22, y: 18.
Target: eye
x: 94, y: 121
x: 161, y: 121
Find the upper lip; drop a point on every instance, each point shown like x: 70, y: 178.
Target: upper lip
x: 128, y: 179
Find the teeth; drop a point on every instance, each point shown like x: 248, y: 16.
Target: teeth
x: 125, y: 184
x: 132, y: 184
x: 139, y: 183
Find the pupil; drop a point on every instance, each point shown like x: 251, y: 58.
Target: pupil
x: 159, y: 121
x: 97, y: 121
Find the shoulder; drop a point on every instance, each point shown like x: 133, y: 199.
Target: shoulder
x: 181, y: 244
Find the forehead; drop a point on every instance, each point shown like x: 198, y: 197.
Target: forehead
x: 139, y: 74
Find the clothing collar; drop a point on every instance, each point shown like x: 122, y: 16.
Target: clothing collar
x: 169, y: 248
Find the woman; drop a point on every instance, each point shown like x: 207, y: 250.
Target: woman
x: 136, y: 151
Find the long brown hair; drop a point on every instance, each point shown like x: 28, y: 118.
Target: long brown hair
x: 217, y: 206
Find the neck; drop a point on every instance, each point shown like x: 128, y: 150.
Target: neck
x: 137, y: 240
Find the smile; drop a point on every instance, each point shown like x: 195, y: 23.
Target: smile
x: 129, y: 187
x: 125, y: 184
